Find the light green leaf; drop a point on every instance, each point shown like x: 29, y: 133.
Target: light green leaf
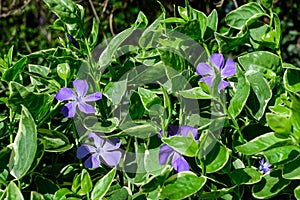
x: 228, y: 43
x: 184, y: 145
x: 297, y: 192
x: 195, y: 93
x: 24, y: 146
x: 241, y: 95
x: 148, y: 98
x: 260, y: 143
x: 279, y: 124
x: 141, y: 131
x: 102, y: 186
x: 12, y: 192
x: 115, y: 91
x: 179, y: 186
x: 63, y: 70
x: 282, y: 154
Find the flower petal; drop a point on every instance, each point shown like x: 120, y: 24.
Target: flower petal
x: 93, y: 161
x: 173, y: 130
x: 164, y: 153
x: 218, y: 60
x: 223, y: 85
x: 179, y: 163
x: 111, y: 158
x: 81, y: 87
x: 185, y: 130
x: 65, y: 94
x: 204, y: 69
x: 229, y: 68
x: 84, y: 150
x: 69, y: 109
x: 93, y: 97
x: 86, y: 108
x: 208, y: 80
x: 98, y: 141
x: 111, y: 144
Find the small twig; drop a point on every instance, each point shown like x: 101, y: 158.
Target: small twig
x: 235, y: 4
x: 94, y: 11
x: 12, y: 12
x: 219, y: 4
x: 111, y: 22
x: 27, y: 46
x: 105, y: 6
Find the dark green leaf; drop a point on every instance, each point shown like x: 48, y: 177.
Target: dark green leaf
x: 14, y: 71
x: 291, y: 170
x: 247, y: 176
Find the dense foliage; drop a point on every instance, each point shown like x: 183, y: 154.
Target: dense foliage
x: 195, y: 105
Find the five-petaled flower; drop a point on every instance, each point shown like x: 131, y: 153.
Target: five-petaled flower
x: 72, y: 40
x: 104, y: 150
x: 264, y: 166
x: 81, y: 87
x: 166, y: 152
x: 207, y: 71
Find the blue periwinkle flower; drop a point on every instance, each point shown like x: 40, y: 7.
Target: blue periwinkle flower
x: 79, y: 99
x: 104, y: 150
x: 207, y: 71
x: 264, y: 166
x: 72, y: 40
x: 166, y: 152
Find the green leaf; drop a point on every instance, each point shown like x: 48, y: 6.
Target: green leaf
x: 141, y: 131
x: 195, y: 93
x: 148, y: 98
x: 102, y: 186
x: 66, y: 10
x: 297, y: 192
x: 93, y: 38
x: 115, y: 91
x: 262, y: 61
x: 212, y: 24
x: 92, y: 124
x: 217, y: 158
x: 36, y: 196
x: 13, y: 72
x: 282, y: 154
x: 12, y: 192
x: 183, y: 13
x: 291, y: 80
x: 279, y: 124
x: 270, y: 185
x: 107, y: 55
x: 179, y: 186
x: 228, y: 43
x: 246, y: 176
x: 296, y: 115
x: 61, y: 194
x: 201, y: 18
x: 241, y: 95
x: 151, y: 162
x: 9, y: 56
x: 54, y: 140
x: 63, y: 70
x: 86, y: 184
x: 184, y: 145
x: 260, y: 143
x: 38, y: 104
x: 244, y: 15
x: 291, y: 170
x: 261, y: 89
x: 267, y: 3
x: 24, y: 146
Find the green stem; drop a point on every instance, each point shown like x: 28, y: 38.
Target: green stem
x: 48, y: 114
x: 11, y: 126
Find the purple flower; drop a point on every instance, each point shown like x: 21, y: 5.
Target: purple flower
x: 72, y: 40
x: 207, y: 71
x: 166, y: 152
x: 81, y: 87
x: 264, y: 166
x: 104, y: 150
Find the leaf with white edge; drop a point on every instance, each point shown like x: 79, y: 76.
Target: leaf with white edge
x: 261, y: 89
x: 281, y: 154
x: 179, y: 186
x: 115, y: 91
x: 260, y: 143
x: 270, y: 185
x: 241, y: 95
x: 12, y: 192
x: 291, y: 80
x: 102, y: 186
x: 24, y: 146
x: 291, y: 170
x: 297, y: 192
x: 246, y: 176
x: 195, y: 93
x: 244, y: 15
